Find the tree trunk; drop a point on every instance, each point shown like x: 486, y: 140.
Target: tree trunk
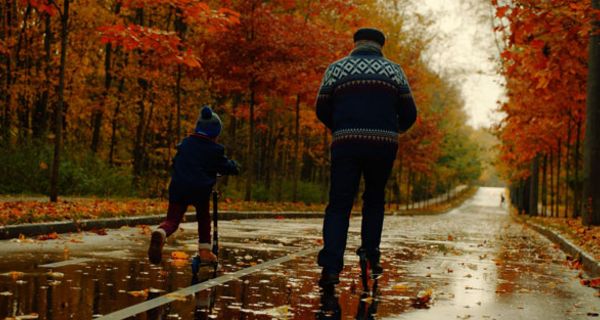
x: 250, y: 172
x: 558, y: 165
x: 568, y: 168
x: 98, y: 113
x: 591, y: 171
x: 40, y: 119
x: 409, y: 189
x: 180, y: 29
x: 545, y: 186
x: 64, y: 32
x: 534, y: 187
x: 138, y: 151
x: 552, y: 183
x: 577, y: 197
x: 178, y: 99
x: 399, y: 182
x: 113, y: 134
x: 8, y: 65
x: 325, y: 173
x: 296, y: 149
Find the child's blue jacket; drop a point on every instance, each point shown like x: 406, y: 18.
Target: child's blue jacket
x: 197, y: 162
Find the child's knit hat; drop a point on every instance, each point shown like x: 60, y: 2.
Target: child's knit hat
x: 208, y: 123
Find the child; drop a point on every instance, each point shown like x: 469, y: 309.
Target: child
x: 194, y: 173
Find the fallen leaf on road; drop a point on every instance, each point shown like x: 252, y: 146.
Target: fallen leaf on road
x: 139, y: 293
x: 282, y: 312
x: 594, y: 283
x: 423, y: 298
x: 50, y: 236
x: 179, y: 255
x: 177, y: 296
x: 14, y: 274
x: 400, y: 287
x: 100, y: 232
x: 56, y: 275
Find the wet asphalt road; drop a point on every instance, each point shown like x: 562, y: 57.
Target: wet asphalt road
x: 475, y: 261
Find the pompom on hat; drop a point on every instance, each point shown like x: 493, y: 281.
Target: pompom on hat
x: 369, y: 34
x: 208, y: 123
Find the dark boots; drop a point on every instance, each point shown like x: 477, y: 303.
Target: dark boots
x: 328, y: 280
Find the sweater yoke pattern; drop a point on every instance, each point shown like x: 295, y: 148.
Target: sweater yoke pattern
x: 352, y: 66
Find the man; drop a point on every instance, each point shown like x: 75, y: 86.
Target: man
x: 365, y: 100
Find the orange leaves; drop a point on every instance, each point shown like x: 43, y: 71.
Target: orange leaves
x: 501, y: 11
x: 139, y: 293
x: 14, y: 212
x: 50, y: 236
x: 163, y: 46
x: 179, y: 255
x: 179, y: 259
x: 545, y: 64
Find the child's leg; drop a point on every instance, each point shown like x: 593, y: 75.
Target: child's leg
x: 204, y: 236
x: 175, y: 214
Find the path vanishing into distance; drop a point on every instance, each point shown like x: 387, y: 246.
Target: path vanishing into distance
x: 476, y: 262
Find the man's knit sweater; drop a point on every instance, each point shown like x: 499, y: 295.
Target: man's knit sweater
x: 365, y: 97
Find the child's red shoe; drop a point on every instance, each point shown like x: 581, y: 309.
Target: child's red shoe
x: 205, y: 255
x: 157, y: 241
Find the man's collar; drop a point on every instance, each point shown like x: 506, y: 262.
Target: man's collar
x: 367, y: 48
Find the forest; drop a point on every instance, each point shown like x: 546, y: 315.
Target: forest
x: 544, y: 50
x: 96, y: 94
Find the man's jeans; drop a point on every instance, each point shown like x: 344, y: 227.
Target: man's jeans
x: 348, y: 163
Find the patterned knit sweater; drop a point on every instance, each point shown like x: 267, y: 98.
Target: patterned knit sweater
x: 365, y: 97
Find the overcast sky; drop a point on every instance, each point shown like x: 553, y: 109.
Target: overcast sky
x: 464, y: 47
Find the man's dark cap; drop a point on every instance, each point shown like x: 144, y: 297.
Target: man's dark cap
x: 369, y: 34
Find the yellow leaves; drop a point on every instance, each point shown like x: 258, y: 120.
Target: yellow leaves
x: 179, y: 255
x: 179, y: 259
x: 177, y: 296
x: 401, y: 287
x: 55, y: 275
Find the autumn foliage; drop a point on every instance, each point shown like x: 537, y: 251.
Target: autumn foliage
x: 137, y: 72
x: 545, y: 63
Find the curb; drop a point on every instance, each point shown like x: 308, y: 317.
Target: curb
x: 590, y: 265
x: 36, y: 229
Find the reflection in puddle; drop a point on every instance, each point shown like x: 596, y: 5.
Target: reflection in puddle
x: 471, y: 263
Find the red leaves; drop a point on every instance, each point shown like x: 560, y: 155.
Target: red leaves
x: 42, y: 6
x: 167, y: 48
x: 163, y: 46
x: 593, y: 283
